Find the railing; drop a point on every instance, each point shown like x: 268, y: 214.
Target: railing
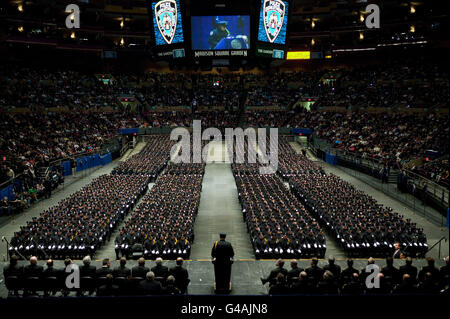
x: 100, y: 150
x: 438, y: 243
x: 428, y: 204
x: 439, y: 192
x: 125, y: 148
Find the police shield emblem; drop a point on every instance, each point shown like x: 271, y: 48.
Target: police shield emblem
x: 166, y: 19
x: 273, y: 16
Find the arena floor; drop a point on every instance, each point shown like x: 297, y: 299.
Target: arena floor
x: 220, y: 212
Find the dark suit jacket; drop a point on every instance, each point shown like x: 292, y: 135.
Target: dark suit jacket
x: 278, y: 289
x: 139, y: 271
x: 353, y: 288
x: 327, y: 287
x: 33, y: 271
x: 148, y: 287
x: 335, y: 270
x: 274, y: 273
x: 161, y: 271
x: 315, y: 273
x: 347, y: 274
x: 52, y: 272
x: 294, y: 273
x: 433, y: 270
x: 87, y: 271
x: 103, y: 271
x: 410, y: 270
x: 120, y: 271
x: 392, y: 272
x: 181, y: 277
x: 15, y: 270
x: 108, y: 290
x: 302, y: 287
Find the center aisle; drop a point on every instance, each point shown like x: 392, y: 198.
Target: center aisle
x: 220, y: 211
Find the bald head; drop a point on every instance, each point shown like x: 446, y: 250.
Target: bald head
x: 33, y: 260
x: 159, y: 261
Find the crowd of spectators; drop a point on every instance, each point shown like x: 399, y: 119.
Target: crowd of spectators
x: 163, y: 224
x: 217, y: 90
x: 29, y: 188
x: 164, y: 89
x: 417, y: 84
x: 280, y: 89
x: 36, y: 89
x: 392, y: 139
x: 436, y: 170
x: 35, y: 139
x: 331, y: 279
x: 386, y: 137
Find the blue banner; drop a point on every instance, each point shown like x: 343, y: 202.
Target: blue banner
x: 8, y: 192
x: 330, y: 159
x: 129, y: 130
x: 302, y: 131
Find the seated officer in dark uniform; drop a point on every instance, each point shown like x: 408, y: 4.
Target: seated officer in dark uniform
x: 122, y: 270
x: 222, y: 255
x: 181, y: 275
x: 13, y: 270
x: 105, y: 270
x: 140, y: 271
x: 160, y: 270
x: 274, y: 273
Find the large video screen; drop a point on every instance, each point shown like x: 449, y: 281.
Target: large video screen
x: 167, y: 23
x: 220, y: 32
x: 273, y: 19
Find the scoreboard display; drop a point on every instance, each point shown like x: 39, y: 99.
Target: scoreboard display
x: 219, y: 33
x: 273, y: 19
x: 167, y: 22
